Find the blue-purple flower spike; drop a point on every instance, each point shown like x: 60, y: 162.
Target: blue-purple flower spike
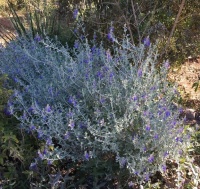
x: 110, y: 34
x: 139, y: 73
x: 146, y: 41
x: 148, y: 128
x: 167, y: 65
x: 75, y: 13
x: 32, y: 127
x: 130, y: 184
x: 151, y: 159
x: 164, y: 168
x: 33, y: 166
x: 37, y: 38
x: 87, y: 156
x: 167, y: 114
x: 48, y: 108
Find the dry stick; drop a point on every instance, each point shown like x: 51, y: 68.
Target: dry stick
x: 136, y: 22
x: 127, y: 23
x: 174, y: 26
x: 129, y: 29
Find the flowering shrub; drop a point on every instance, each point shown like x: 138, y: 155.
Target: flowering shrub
x: 90, y: 101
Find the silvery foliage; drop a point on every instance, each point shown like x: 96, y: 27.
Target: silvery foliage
x: 90, y: 101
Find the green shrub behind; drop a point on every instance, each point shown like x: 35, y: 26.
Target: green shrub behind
x: 16, y: 149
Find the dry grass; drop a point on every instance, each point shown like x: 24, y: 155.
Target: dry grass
x: 2, y: 2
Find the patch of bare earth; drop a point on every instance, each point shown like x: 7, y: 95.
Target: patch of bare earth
x: 6, y: 28
x: 185, y: 76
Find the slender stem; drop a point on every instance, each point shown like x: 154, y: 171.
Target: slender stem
x: 174, y: 26
x: 136, y: 21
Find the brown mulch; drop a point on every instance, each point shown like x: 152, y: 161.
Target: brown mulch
x: 185, y: 76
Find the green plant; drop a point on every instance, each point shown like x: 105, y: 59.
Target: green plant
x: 89, y: 101
x: 39, y: 18
x: 16, y: 149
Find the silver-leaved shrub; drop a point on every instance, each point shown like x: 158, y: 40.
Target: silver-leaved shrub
x: 90, y: 101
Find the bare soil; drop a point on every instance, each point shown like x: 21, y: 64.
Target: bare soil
x: 186, y: 75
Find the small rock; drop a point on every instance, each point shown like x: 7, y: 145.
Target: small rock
x: 190, y: 114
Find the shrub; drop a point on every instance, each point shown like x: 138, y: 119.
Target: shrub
x: 89, y: 101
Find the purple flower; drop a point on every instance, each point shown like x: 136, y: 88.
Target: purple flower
x: 148, y: 128
x: 156, y: 136
x: 75, y: 13
x: 130, y: 184
x: 75, y: 31
x: 167, y: 65
x: 145, y: 113
x: 147, y: 178
x: 100, y: 75
x: 76, y: 44
x: 174, y: 123
x: 188, y: 136
x: 72, y: 101
x: 93, y: 50
x: 49, y: 142
x: 16, y: 80
x: 37, y: 38
x: 31, y: 109
x: 7, y: 112
x: 180, y: 110
x: 136, y: 173
x: 70, y: 114
x: 33, y: 166
x: 167, y: 114
x: 165, y: 154
x: 87, y: 156
x: 71, y: 124
x: 49, y: 162
x: 179, y: 139
x: 164, y: 167
x: 139, y: 73
x: 48, y: 108
x: 134, y: 98
x: 45, y: 151
x: 146, y: 41
x: 102, y: 100
x: 180, y: 130
x: 24, y: 116
x: 111, y: 76
x: 67, y: 135
x: 108, y: 55
x: 40, y: 134
x: 153, y: 88
x: 110, y: 34
x: 82, y: 125
x: 41, y: 156
x: 180, y: 152
x: 123, y: 162
x: 94, y: 36
x: 151, y: 158
x: 32, y: 127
